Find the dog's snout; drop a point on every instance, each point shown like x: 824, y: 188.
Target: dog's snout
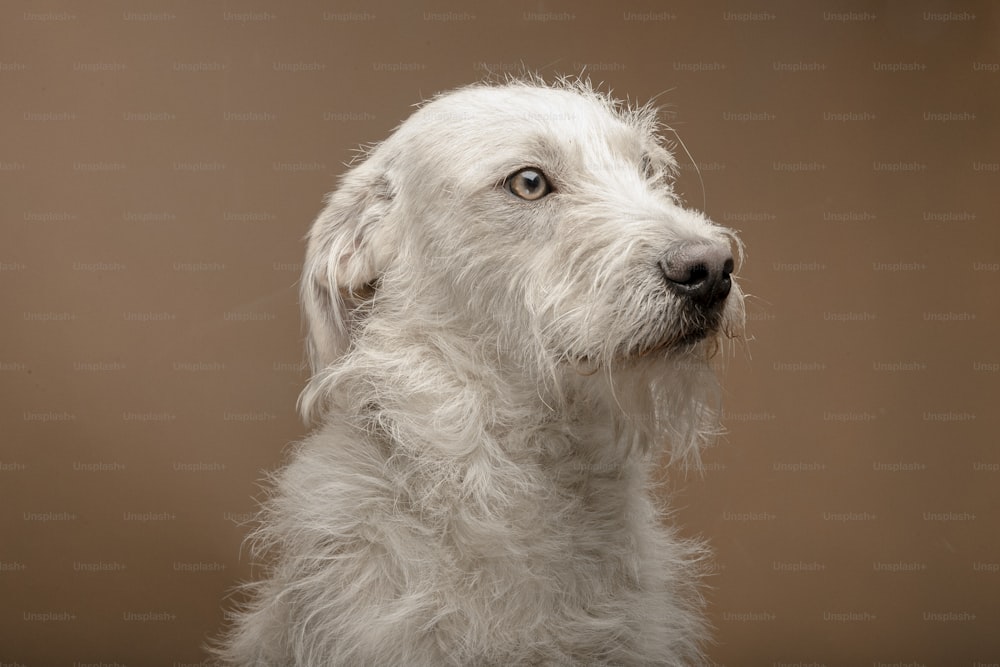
x: 700, y: 272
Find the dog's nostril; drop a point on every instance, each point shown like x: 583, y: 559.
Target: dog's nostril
x: 700, y: 273
x: 697, y: 274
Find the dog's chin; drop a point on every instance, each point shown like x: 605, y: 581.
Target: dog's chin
x: 702, y: 334
x: 680, y: 344
x: 693, y: 340
x: 699, y: 330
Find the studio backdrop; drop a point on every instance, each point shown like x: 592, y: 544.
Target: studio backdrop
x: 161, y: 162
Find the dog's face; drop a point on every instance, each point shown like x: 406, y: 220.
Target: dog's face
x: 545, y: 216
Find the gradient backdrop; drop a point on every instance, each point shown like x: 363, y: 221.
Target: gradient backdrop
x: 160, y: 162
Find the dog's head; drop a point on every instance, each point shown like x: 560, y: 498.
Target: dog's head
x: 541, y: 218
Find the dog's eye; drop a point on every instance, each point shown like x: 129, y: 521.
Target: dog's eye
x: 529, y: 184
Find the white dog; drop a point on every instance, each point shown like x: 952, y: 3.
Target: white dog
x: 509, y: 314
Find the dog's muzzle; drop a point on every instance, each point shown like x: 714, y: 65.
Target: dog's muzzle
x: 699, y: 274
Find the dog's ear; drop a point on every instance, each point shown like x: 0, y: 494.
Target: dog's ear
x: 349, y: 246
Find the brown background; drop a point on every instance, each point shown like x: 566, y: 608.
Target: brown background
x: 160, y: 163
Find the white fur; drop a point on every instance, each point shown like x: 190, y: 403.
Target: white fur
x: 494, y: 378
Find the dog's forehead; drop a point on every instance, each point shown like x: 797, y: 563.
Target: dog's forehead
x: 475, y: 128
x: 522, y: 108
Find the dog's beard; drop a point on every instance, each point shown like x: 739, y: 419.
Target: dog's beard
x: 672, y: 330
x: 680, y: 329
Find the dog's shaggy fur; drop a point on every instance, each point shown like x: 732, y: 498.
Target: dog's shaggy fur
x: 509, y: 314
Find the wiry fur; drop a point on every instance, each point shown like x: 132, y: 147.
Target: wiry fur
x: 494, y: 378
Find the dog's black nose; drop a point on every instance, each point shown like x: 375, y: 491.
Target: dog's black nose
x: 700, y: 272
